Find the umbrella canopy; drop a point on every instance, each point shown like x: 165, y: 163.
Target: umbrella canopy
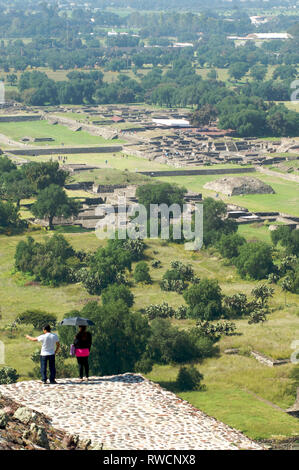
x: 76, y: 321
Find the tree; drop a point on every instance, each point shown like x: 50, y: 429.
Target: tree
x: 229, y: 245
x: 41, y: 174
x: 116, y: 292
x: 189, y: 378
x: 141, y: 273
x: 53, y: 202
x: 288, y: 238
x: 37, y: 318
x: 9, y: 218
x: 262, y: 294
x: 238, y: 69
x: 214, y: 222
x: 12, y: 78
x: 14, y: 186
x: 204, y: 300
x: 168, y: 344
x: 203, y: 116
x: 105, y: 267
x: 47, y: 262
x: 119, y: 337
x: 8, y: 375
x: 258, y: 72
x: 160, y: 193
x: 285, y: 72
x: 255, y: 260
x: 6, y: 165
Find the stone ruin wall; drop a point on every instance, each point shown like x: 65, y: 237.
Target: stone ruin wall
x: 20, y: 118
x: 220, y: 171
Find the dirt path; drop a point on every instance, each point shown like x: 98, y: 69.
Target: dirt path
x: 7, y: 141
x: 277, y: 174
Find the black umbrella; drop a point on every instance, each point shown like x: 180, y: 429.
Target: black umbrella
x: 76, y: 321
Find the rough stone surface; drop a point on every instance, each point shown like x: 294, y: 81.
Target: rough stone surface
x: 3, y: 419
x: 39, y: 436
x: 24, y: 415
x: 33, y: 436
x: 126, y: 412
x: 267, y: 361
x: 234, y: 186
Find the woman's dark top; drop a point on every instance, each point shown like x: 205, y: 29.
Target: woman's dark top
x: 83, y: 341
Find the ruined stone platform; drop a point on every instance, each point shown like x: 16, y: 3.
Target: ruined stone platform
x: 126, y: 412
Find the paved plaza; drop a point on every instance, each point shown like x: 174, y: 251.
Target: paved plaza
x: 126, y: 412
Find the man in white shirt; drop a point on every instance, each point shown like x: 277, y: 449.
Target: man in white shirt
x: 50, y: 347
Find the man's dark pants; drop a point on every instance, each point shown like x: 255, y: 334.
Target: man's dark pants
x: 43, y: 367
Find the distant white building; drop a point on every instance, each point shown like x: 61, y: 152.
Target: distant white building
x: 269, y: 36
x: 172, y: 122
x: 257, y: 20
x: 261, y: 37
x: 182, y: 44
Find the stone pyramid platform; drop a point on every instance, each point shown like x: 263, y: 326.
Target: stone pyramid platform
x: 126, y: 412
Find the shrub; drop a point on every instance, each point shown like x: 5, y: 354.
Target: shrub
x: 189, y: 378
x: 168, y: 344
x: 156, y: 264
x: 236, y: 305
x: 116, y: 292
x: 141, y: 273
x: 173, y: 285
x: 8, y: 375
x: 37, y: 318
x: 229, y: 245
x: 273, y: 278
x: 135, y: 248
x: 184, y: 271
x: 214, y: 331
x: 255, y: 260
x: 204, y: 300
x: 181, y: 312
x: 159, y: 311
x: 105, y: 267
x: 259, y: 315
x: 262, y: 293
x: 46, y: 261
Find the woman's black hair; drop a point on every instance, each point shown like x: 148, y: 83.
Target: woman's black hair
x: 82, y: 332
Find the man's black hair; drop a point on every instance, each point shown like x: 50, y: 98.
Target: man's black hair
x: 47, y: 328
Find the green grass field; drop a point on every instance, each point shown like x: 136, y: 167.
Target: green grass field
x: 285, y: 199
x: 116, y: 160
x: 233, y: 380
x: 60, y: 134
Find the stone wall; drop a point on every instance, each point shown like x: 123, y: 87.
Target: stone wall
x: 65, y: 150
x: 20, y: 117
x: 83, y: 185
x: 267, y: 361
x: 107, y: 188
x: 220, y: 171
